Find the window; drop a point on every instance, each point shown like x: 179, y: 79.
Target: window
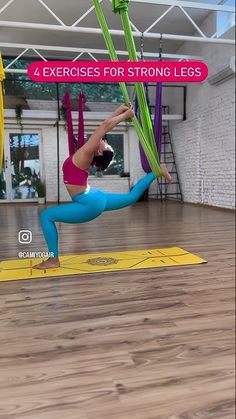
x: 225, y: 20
x: 117, y: 143
x: 21, y: 85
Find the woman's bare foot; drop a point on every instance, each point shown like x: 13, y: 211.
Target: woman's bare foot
x: 165, y: 172
x: 47, y: 264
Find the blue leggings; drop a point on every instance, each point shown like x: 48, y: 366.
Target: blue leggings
x: 87, y: 206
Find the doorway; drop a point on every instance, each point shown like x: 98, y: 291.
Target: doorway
x: 22, y: 166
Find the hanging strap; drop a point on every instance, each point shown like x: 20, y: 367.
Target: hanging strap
x: 154, y: 163
x: 158, y: 108
x: 2, y: 77
x: 121, y: 6
x: 144, y: 113
x: 158, y: 117
x: 143, y: 158
x: 82, y: 101
x: 157, y: 128
x: 144, y: 161
x: 70, y: 131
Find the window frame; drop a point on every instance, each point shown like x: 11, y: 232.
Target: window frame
x: 125, y: 153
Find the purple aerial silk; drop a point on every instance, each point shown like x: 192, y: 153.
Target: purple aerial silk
x: 73, y: 144
x: 82, y: 100
x: 157, y: 129
x: 143, y: 157
x: 71, y: 138
x: 158, y: 118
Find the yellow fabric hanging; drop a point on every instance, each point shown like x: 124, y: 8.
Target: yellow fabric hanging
x: 2, y: 77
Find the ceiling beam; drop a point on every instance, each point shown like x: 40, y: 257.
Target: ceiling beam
x: 115, y: 32
x: 52, y: 48
x: 15, y: 71
x: 84, y: 15
x: 51, y: 12
x: 6, y: 5
x: 188, y: 4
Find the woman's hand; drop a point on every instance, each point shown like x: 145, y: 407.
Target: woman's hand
x: 129, y: 113
x: 121, y: 109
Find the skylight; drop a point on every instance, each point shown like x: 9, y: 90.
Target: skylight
x: 225, y: 20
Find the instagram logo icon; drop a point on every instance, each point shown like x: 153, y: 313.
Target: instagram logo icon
x: 25, y: 236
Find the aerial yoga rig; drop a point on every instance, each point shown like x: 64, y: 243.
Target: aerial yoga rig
x: 149, y: 134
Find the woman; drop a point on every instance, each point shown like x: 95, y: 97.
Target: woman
x: 88, y: 203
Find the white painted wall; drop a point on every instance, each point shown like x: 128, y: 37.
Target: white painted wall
x: 204, y: 144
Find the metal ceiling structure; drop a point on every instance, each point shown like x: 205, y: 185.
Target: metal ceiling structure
x: 193, y: 13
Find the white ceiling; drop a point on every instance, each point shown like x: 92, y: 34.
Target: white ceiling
x: 142, y: 15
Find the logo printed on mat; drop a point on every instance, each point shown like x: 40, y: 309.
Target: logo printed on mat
x: 102, y: 261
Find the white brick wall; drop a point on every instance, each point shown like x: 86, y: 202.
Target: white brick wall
x: 204, y: 144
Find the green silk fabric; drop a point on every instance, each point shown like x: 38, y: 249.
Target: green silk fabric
x: 145, y: 133
x: 118, y: 5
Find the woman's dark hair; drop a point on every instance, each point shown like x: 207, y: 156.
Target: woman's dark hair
x: 102, y: 162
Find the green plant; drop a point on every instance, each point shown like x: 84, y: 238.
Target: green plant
x: 63, y: 115
x: 40, y: 188
x: 63, y: 112
x: 18, y: 113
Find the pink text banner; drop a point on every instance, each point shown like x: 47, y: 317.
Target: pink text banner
x: 118, y: 71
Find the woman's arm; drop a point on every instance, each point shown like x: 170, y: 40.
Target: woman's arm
x: 91, y: 146
x: 85, y: 154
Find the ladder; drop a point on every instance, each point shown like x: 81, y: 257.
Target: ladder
x: 167, y: 190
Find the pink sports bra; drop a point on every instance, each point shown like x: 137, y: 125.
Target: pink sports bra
x: 73, y: 174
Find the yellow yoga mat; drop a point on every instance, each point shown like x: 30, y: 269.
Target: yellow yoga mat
x: 11, y: 270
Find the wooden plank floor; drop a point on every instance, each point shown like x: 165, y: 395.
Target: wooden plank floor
x: 149, y: 344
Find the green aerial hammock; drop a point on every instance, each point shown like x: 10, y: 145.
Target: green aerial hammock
x: 145, y: 133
